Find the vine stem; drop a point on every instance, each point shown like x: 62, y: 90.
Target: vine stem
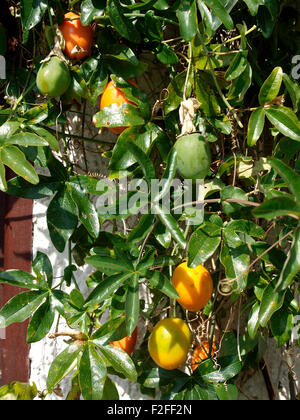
x: 239, y: 36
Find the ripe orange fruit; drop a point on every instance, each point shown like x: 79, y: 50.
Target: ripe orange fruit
x: 113, y: 95
x: 127, y: 343
x: 169, y: 343
x: 199, y: 354
x: 78, y: 38
x: 193, y: 285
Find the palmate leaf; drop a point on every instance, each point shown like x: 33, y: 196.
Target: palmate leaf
x: 122, y: 24
x: 40, y: 323
x: 61, y: 218
x: 291, y: 177
x: 132, y: 306
x: 292, y: 265
x: 92, y: 373
x: 106, y: 289
x: 19, y: 278
x: 221, y: 12
x: 12, y: 157
x: 271, y: 302
x: 187, y: 16
x: 62, y: 365
x: 203, y: 243
x: 271, y: 87
x: 20, y: 307
x: 120, y: 361
x: 285, y: 121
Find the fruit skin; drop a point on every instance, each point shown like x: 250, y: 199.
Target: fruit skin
x: 199, y: 355
x: 193, y: 156
x: 113, y: 95
x: 169, y: 343
x: 193, y: 285
x: 127, y: 343
x: 53, y: 78
x: 74, y: 34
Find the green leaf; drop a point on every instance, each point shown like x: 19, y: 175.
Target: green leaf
x: 228, y: 368
x: 20, y: 188
x: 20, y: 307
x: 226, y: 392
x: 92, y: 374
x: 3, y: 183
x: 235, y: 258
x: 143, y: 160
x: 12, y: 157
x: 291, y: 177
x: 62, y: 365
x: 43, y: 268
x: 237, y: 67
x: 108, y: 331
x: 203, y: 243
x: 241, y: 84
x: 276, y: 207
x: 187, y: 16
x: 218, y: 8
x: 8, y: 129
x: 256, y: 126
x: 292, y: 264
x: 142, y: 229
x: 32, y: 12
x: 122, y: 61
x: 86, y: 210
x: 135, y: 95
x: 271, y: 302
x: 47, y: 136
x: 171, y: 224
x: 132, y: 306
x: 61, y: 219
x: 109, y: 265
x: 166, y: 55
x: 113, y: 116
x: 253, y: 6
x: 234, y: 210
x: 106, y: 289
x: 270, y: 89
x: 110, y: 391
x: 40, y: 323
x: 144, y: 137
x: 293, y: 90
x: 120, y: 361
x: 98, y: 81
x: 19, y: 278
x: 285, y: 121
x: 282, y: 323
x: 26, y: 139
x: 175, y: 92
x: 168, y: 177
x: 158, y: 280
x: 123, y: 25
x: 247, y: 227
x: 91, y: 9
x: 253, y: 320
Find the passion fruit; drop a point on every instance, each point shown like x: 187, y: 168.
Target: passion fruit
x: 53, y: 78
x: 193, y: 156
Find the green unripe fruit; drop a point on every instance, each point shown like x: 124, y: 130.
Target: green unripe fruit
x: 193, y: 156
x: 53, y: 78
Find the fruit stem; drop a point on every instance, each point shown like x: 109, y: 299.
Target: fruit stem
x: 190, y: 59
